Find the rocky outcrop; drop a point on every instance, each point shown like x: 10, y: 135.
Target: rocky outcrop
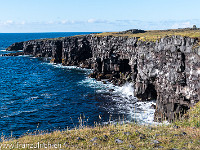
x: 15, y: 46
x: 13, y: 54
x: 167, y: 70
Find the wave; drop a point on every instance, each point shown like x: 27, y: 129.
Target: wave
x: 19, y: 112
x: 87, y: 71
x: 124, y: 101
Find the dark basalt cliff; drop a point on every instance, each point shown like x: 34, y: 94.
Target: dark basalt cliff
x: 167, y: 70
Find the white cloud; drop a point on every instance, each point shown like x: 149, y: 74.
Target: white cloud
x: 66, y: 22
x: 92, y: 25
x: 182, y: 25
x: 11, y: 22
x: 50, y: 22
x: 91, y: 20
x: 7, y: 22
x: 23, y: 23
x: 97, y: 21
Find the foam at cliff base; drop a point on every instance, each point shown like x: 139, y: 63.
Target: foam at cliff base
x: 125, y: 101
x: 67, y: 67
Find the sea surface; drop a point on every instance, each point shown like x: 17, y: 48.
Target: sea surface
x: 36, y: 95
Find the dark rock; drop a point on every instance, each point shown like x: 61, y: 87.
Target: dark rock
x: 156, y: 142
x: 111, y: 90
x: 176, y: 135
x: 105, y: 137
x: 183, y: 133
x: 119, y: 141
x: 80, y: 139
x: 153, y: 106
x: 127, y: 133
x: 176, y: 127
x: 104, y: 82
x: 137, y: 132
x: 191, y: 142
x: 142, y: 136
x: 158, y: 146
x: 13, y: 54
x: 157, y: 135
x: 132, y: 146
x: 94, y: 139
x: 150, y: 128
x: 133, y: 31
x: 171, y: 141
x: 16, y: 46
x: 112, y: 132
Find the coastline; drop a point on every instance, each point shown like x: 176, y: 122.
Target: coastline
x: 177, y: 135
x: 123, y: 57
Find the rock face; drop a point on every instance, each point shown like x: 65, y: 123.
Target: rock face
x: 167, y: 70
x: 15, y: 46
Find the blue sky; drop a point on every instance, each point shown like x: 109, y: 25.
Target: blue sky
x: 96, y: 15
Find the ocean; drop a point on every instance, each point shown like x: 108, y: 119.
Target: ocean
x: 36, y: 95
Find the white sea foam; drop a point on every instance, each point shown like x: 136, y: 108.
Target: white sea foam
x: 126, y: 90
x: 66, y: 67
x: 144, y: 113
x: 23, y: 55
x: 34, y: 97
x: 3, y: 50
x: 19, y: 112
x: 99, y: 86
x: 125, y: 101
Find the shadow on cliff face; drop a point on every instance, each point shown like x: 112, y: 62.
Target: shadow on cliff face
x: 149, y: 93
x: 124, y: 66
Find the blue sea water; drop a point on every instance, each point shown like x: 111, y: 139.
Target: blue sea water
x: 38, y: 95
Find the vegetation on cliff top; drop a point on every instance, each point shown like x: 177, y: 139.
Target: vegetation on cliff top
x: 153, y: 35
x: 148, y: 35
x: 183, y: 134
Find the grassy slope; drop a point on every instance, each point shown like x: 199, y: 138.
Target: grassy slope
x: 180, y: 135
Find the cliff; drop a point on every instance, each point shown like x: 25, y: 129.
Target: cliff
x: 166, y: 69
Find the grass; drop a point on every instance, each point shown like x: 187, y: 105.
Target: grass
x: 183, y: 134
x: 153, y: 35
x: 192, y: 118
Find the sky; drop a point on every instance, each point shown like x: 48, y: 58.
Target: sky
x: 21, y: 16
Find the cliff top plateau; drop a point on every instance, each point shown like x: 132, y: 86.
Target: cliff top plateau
x: 153, y: 35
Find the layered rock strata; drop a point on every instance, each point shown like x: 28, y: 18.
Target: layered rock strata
x: 167, y: 70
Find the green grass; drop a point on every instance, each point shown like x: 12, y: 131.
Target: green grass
x: 153, y: 35
x: 182, y: 134
x: 192, y: 118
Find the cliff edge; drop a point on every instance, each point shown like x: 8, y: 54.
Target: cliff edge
x: 163, y: 65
